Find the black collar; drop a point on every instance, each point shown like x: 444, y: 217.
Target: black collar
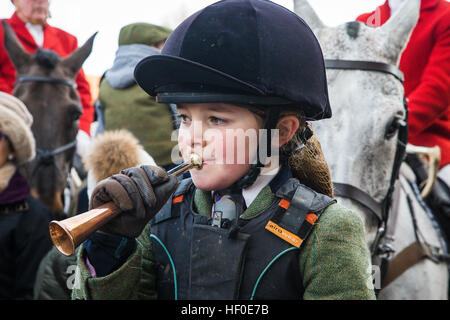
x: 283, y: 175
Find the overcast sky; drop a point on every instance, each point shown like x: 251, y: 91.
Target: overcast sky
x: 84, y: 17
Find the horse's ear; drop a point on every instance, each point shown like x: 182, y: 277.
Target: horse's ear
x: 397, y: 30
x: 19, y: 57
x: 74, y: 62
x: 304, y: 10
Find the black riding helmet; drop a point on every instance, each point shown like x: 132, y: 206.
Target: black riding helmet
x: 247, y: 52
x: 240, y: 51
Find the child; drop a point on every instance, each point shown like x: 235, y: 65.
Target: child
x: 258, y: 221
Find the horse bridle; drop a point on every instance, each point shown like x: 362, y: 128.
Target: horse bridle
x: 66, y: 82
x: 379, y: 210
x: 365, y: 66
x: 47, y: 157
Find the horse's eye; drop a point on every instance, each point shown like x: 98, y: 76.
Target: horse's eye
x: 393, y: 126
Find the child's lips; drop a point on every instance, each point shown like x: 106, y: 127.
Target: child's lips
x: 208, y: 161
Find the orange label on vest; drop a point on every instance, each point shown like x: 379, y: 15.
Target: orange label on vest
x: 311, y: 218
x: 284, y: 234
x: 177, y: 199
x: 284, y: 204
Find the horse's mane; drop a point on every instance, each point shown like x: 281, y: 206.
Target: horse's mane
x: 47, y: 58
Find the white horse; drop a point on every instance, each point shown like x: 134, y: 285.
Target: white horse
x: 360, y: 143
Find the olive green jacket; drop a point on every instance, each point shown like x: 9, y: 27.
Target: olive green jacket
x: 334, y: 260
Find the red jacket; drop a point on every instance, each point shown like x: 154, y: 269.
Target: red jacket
x: 57, y: 40
x: 426, y: 65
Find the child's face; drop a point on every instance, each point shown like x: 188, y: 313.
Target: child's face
x: 224, y: 135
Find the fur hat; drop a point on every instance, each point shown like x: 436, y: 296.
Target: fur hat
x: 112, y: 151
x: 15, y: 122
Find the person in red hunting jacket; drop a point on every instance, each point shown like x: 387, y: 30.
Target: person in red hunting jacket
x: 426, y: 65
x: 30, y: 26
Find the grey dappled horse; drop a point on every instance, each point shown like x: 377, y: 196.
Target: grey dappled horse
x: 46, y: 84
x: 360, y: 142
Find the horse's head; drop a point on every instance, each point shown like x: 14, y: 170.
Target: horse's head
x: 46, y: 85
x: 360, y: 140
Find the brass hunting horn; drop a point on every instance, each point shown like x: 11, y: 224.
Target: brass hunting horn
x: 69, y: 233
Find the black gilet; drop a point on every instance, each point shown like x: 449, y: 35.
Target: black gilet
x: 252, y: 259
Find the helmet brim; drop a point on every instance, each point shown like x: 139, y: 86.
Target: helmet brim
x: 173, y: 79
x: 164, y: 74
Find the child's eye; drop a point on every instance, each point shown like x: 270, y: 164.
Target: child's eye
x: 216, y: 121
x: 183, y: 118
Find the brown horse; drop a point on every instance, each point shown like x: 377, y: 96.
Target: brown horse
x: 45, y: 83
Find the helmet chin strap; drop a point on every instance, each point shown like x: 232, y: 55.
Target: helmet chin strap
x: 270, y: 122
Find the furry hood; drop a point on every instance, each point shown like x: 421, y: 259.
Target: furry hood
x: 111, y: 152
x: 15, y: 122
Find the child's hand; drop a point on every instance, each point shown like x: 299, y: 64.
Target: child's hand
x: 139, y: 193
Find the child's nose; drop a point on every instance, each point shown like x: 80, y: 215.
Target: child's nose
x: 197, y: 140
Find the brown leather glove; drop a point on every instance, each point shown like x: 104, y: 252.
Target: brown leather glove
x: 139, y: 193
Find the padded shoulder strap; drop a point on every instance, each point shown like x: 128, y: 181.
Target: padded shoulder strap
x: 183, y: 187
x: 297, y: 215
x: 177, y: 197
